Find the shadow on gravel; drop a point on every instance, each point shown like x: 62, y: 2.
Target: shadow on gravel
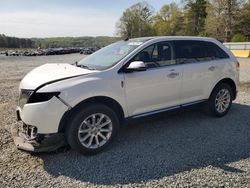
x: 161, y: 146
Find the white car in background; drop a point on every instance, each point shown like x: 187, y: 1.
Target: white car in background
x: 84, y: 104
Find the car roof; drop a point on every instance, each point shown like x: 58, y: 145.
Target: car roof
x: 162, y: 38
x: 144, y: 39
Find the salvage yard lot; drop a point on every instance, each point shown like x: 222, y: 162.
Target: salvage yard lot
x: 179, y: 149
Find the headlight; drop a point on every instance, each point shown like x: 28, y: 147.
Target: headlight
x: 42, y: 97
x: 30, y: 96
x: 24, y: 97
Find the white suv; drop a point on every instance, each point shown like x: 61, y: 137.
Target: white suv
x: 84, y: 104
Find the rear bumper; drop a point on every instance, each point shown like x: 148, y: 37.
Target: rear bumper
x: 41, y: 143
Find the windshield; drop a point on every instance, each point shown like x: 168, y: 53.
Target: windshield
x: 109, y: 56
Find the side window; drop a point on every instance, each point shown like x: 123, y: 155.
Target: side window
x: 188, y: 51
x: 146, y: 56
x: 215, y: 52
x: 165, y: 54
x: 156, y: 55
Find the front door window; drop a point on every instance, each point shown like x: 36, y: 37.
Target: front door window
x: 156, y: 55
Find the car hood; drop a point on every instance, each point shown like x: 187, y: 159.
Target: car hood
x: 50, y: 73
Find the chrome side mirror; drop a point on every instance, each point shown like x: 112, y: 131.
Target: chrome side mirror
x: 136, y: 66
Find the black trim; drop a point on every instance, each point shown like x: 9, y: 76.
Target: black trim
x: 167, y: 109
x: 18, y: 115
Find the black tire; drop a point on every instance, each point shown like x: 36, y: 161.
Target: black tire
x: 76, y: 121
x: 212, y: 100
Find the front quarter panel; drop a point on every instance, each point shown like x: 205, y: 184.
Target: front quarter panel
x: 75, y: 90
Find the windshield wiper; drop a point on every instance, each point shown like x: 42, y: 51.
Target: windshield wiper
x: 83, y: 66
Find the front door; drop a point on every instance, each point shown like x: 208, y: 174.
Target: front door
x: 159, y: 86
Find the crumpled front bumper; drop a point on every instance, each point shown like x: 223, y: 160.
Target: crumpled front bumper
x: 42, y: 143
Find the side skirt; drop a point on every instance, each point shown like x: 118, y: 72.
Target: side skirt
x: 166, y: 109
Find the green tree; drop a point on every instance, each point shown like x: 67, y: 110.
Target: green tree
x: 169, y: 20
x: 215, y: 20
x: 3, y: 41
x: 221, y: 18
x: 239, y: 38
x: 195, y: 14
x: 242, y: 21
x: 136, y: 21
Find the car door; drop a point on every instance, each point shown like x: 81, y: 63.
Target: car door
x: 200, y: 69
x: 159, y: 86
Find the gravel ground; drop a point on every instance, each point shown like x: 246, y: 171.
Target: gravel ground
x: 179, y: 149
x: 245, y: 69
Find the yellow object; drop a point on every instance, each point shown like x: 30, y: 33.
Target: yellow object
x: 241, y: 53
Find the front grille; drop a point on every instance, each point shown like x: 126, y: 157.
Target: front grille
x: 24, y: 97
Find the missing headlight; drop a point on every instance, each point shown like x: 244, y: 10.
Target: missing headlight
x: 42, y: 97
x: 24, y: 97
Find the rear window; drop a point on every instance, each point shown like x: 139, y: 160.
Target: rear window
x: 188, y: 51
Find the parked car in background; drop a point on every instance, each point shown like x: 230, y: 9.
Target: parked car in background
x: 2, y: 52
x: 12, y: 53
x: 85, y: 104
x: 38, y: 52
x: 88, y: 51
x: 60, y: 51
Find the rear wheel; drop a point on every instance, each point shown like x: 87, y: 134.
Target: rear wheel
x: 220, y: 100
x: 92, y: 129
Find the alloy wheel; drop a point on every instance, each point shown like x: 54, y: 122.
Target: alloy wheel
x: 222, y: 100
x: 95, y: 131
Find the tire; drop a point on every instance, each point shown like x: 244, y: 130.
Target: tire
x: 81, y: 130
x: 217, y: 106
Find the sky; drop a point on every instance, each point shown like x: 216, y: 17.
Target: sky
x: 61, y: 18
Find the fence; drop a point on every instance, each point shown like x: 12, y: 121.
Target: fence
x: 239, y: 49
x: 238, y: 45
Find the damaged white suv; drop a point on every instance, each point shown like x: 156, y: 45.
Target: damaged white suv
x: 84, y: 104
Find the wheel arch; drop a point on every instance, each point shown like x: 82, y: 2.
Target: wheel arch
x: 110, y: 102
x: 230, y: 82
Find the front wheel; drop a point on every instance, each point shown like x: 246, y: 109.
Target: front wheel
x: 92, y: 129
x: 220, y: 100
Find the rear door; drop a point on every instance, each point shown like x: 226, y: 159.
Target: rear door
x: 202, y: 64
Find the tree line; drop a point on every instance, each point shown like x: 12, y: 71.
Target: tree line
x: 99, y: 41
x: 225, y: 20
x: 13, y: 42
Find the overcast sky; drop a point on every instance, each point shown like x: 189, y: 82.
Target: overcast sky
x: 55, y: 18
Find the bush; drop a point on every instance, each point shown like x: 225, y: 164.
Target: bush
x: 239, y: 38
x: 203, y: 34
